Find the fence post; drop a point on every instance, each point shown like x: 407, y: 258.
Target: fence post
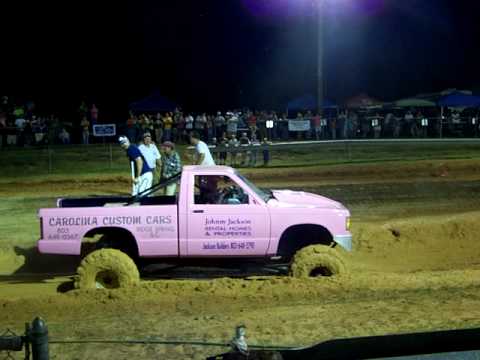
x: 38, y: 337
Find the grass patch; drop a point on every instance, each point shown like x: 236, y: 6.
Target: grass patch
x: 99, y: 159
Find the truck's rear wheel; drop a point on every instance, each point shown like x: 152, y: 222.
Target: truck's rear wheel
x: 106, y: 268
x: 317, y: 260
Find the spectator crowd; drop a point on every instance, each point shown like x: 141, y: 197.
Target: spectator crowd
x: 20, y: 125
x: 330, y: 125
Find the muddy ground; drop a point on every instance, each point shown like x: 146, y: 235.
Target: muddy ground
x: 415, y: 267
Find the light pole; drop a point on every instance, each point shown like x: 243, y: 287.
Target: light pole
x: 320, y: 81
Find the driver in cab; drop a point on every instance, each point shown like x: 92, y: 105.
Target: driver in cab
x: 217, y: 189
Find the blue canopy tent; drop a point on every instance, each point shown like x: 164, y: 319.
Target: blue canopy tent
x: 459, y: 99
x: 153, y: 103
x: 308, y: 102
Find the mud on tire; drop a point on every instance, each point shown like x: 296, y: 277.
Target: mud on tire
x: 317, y: 260
x: 106, y: 268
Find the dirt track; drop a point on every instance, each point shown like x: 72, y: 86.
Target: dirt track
x: 416, y: 272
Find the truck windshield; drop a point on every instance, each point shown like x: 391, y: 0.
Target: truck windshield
x: 263, y: 194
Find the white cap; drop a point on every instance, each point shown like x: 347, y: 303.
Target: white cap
x: 123, y: 140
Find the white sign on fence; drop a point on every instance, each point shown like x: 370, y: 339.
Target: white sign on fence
x: 298, y: 125
x: 104, y: 130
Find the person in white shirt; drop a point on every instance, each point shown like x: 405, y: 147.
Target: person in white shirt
x: 204, y: 157
x: 189, y: 123
x: 20, y: 123
x: 232, y: 124
x: 151, y: 154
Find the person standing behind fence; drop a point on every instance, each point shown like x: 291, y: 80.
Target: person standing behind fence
x: 94, y: 114
x: 82, y: 110
x: 262, y: 124
x: 189, y: 124
x: 223, y: 154
x: 132, y: 128
x: 209, y: 128
x: 252, y: 161
x: 199, y: 125
x: 333, y: 127
x: 266, y: 152
x: 233, y: 144
x: 219, y: 125
x: 158, y: 127
x: 167, y: 127
x: 232, y: 124
x: 409, y: 120
x: 244, y: 141
x: 141, y: 173
x: 176, y: 118
x: 151, y: 155
x: 317, y: 126
x: 202, y: 152
x: 252, y: 123
x: 85, y: 125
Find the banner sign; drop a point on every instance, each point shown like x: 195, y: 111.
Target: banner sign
x: 104, y: 130
x: 298, y: 125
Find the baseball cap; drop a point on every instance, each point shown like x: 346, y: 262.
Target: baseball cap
x: 123, y: 140
x: 168, y: 144
x: 147, y: 134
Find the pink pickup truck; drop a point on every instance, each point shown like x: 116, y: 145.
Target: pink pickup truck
x: 216, y: 213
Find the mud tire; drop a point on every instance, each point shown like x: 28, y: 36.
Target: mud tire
x: 317, y: 260
x: 106, y: 268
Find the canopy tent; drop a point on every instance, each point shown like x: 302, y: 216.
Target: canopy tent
x: 413, y: 102
x: 308, y: 102
x: 362, y: 101
x: 459, y: 99
x: 153, y: 103
x: 438, y: 95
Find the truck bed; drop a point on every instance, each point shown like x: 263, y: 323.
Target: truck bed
x: 115, y: 201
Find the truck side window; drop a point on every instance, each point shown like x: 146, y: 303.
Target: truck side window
x: 218, y: 190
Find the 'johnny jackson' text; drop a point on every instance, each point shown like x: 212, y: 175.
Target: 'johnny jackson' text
x: 109, y: 220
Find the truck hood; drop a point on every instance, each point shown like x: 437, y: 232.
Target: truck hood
x: 304, y: 199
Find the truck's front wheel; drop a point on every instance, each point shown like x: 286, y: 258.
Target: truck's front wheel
x: 317, y: 260
x: 106, y: 269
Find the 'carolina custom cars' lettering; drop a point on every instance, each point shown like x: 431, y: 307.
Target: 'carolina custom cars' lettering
x: 109, y: 220
x: 72, y: 221
x: 122, y: 220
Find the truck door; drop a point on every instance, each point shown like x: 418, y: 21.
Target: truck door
x: 224, y: 219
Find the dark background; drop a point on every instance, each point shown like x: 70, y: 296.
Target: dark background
x: 219, y: 54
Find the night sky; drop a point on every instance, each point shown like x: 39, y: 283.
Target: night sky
x: 232, y: 52
x: 219, y: 54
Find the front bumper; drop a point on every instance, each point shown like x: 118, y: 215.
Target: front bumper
x: 344, y: 241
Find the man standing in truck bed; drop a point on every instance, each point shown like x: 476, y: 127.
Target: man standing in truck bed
x: 142, y: 176
x: 171, y: 166
x: 152, y: 156
x: 202, y: 152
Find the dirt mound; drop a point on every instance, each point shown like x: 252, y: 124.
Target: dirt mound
x: 426, y: 243
x: 9, y: 260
